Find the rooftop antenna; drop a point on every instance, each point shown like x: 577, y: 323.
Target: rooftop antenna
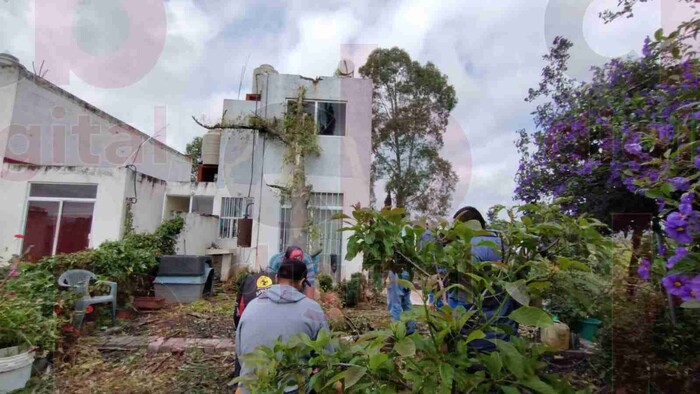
x: 240, y: 81
x: 41, y: 68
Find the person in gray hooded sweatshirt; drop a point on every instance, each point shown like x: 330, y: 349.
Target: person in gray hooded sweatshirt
x: 280, y: 313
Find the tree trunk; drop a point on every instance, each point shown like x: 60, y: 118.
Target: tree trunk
x: 299, y: 191
x: 637, y: 232
x: 400, y: 199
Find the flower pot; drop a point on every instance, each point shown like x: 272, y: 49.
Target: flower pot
x: 15, y: 368
x: 125, y: 314
x: 149, y: 303
x: 587, y: 328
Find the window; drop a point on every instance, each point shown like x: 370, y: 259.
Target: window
x: 328, y: 115
x: 322, y: 207
x: 203, y: 204
x: 232, y: 209
x: 59, y: 218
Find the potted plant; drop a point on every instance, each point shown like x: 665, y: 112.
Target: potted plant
x: 24, y: 327
x: 148, y: 302
x: 577, y: 298
x: 28, y: 323
x: 128, y: 311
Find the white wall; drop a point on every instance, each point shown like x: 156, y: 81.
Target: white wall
x: 150, y: 192
x: 52, y: 127
x: 108, y: 214
x: 343, y: 166
x: 8, y: 89
x: 198, y: 234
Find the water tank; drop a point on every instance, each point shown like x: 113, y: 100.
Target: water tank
x: 7, y: 59
x: 211, y: 142
x: 259, y: 77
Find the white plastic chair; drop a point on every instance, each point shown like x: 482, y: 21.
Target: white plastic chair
x: 79, y: 281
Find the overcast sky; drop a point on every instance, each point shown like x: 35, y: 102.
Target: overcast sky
x: 490, y: 50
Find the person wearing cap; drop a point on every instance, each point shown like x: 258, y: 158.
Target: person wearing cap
x: 296, y: 253
x: 279, y: 314
x: 491, y: 304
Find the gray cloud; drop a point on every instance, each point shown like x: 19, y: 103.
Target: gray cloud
x: 491, y: 52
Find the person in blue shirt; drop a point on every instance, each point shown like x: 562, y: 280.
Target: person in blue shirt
x: 492, y: 302
x: 296, y: 253
x: 399, y: 299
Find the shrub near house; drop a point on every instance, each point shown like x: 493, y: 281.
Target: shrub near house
x: 541, y: 241
x: 30, y: 302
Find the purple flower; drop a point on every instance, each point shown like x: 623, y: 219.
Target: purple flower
x: 644, y: 269
x: 653, y: 175
x: 665, y: 132
x: 633, y: 145
x: 693, y: 287
x: 677, y: 228
x: 675, y: 284
x: 662, y: 249
x: 633, y: 165
x: 680, y: 183
x: 681, y: 251
x: 686, y: 205
x: 634, y: 148
x: 697, y: 161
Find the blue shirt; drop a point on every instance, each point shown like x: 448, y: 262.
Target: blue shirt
x: 276, y: 261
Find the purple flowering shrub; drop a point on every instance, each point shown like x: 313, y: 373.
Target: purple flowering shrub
x: 627, y: 141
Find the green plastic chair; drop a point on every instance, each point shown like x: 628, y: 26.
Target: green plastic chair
x: 79, y: 281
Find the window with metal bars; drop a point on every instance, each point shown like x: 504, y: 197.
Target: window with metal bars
x: 322, y: 207
x: 232, y: 209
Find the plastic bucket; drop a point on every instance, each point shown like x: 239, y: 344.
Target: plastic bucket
x: 588, y: 328
x: 15, y: 369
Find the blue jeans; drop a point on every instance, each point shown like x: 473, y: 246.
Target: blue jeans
x: 399, y: 299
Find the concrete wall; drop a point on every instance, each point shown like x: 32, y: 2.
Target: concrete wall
x: 50, y: 126
x: 150, y: 193
x: 9, y: 75
x: 343, y: 166
x: 199, y: 233
x: 108, y: 214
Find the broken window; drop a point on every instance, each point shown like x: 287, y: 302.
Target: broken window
x: 232, y: 209
x: 329, y: 116
x: 59, y: 218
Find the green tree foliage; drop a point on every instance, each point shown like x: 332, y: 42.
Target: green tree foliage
x: 411, y: 106
x: 194, y: 149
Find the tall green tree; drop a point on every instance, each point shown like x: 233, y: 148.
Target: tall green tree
x: 194, y: 150
x: 411, y: 105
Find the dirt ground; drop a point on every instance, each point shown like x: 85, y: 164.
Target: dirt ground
x: 206, y: 318
x: 95, y: 371
x: 136, y: 372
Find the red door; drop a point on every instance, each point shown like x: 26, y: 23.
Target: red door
x: 74, y: 230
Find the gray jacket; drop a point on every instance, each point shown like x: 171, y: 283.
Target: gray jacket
x: 279, y: 313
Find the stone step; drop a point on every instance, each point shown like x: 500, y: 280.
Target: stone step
x: 155, y: 344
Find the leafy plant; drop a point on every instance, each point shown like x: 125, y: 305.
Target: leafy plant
x: 352, y: 292
x: 540, y: 241
x: 31, y: 306
x: 325, y: 282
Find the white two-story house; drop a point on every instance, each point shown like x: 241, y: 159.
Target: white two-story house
x: 242, y: 170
